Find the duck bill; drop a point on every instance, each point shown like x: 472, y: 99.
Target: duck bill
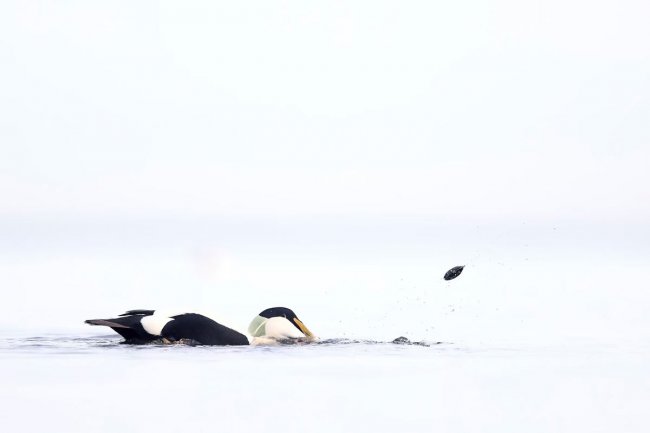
x: 303, y: 328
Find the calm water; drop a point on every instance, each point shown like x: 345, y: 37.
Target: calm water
x: 546, y: 330
x: 93, y: 383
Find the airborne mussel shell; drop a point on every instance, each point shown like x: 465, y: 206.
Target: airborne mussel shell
x: 453, y: 272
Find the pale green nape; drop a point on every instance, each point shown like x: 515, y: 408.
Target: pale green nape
x: 257, y: 327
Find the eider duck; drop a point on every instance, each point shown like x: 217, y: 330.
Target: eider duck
x: 145, y: 326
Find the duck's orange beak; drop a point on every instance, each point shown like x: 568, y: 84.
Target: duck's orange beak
x: 303, y: 328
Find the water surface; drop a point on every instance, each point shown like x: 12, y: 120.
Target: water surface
x: 93, y: 383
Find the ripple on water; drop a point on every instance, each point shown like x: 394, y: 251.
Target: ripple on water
x: 60, y: 344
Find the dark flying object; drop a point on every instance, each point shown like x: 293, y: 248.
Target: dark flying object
x: 453, y: 272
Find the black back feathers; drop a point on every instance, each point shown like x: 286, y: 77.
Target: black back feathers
x: 202, y: 330
x: 138, y: 313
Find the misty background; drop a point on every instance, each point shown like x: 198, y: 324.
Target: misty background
x: 334, y: 158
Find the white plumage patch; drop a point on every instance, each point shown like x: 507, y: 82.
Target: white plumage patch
x: 155, y: 323
x: 281, y: 328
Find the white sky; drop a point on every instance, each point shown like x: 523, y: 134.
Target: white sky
x: 472, y: 109
x: 328, y: 156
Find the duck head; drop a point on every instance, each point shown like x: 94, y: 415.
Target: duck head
x: 279, y: 323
